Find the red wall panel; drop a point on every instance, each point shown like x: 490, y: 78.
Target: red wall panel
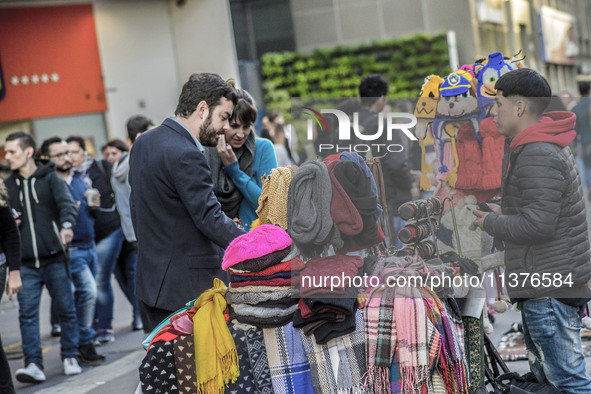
x: 50, y: 62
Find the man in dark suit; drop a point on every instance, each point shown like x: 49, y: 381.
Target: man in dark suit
x: 180, y: 228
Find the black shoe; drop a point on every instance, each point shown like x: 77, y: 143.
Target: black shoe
x: 56, y: 330
x: 87, y: 354
x: 137, y: 324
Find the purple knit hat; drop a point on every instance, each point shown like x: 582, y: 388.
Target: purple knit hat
x: 258, y: 242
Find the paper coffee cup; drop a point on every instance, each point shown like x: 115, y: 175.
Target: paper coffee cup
x: 90, y: 193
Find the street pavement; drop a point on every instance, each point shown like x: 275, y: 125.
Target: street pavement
x: 117, y: 375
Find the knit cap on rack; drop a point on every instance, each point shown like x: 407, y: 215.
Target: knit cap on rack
x: 258, y: 242
x: 343, y: 211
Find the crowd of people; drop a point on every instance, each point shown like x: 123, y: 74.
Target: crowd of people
x: 159, y: 210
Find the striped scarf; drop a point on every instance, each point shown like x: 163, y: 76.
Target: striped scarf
x: 290, y: 370
x: 388, y: 329
x: 346, y: 378
x: 451, y: 362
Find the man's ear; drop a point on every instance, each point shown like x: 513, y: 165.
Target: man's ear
x: 30, y: 152
x: 520, y: 106
x: 202, y: 109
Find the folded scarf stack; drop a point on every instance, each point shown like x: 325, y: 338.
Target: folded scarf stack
x: 260, y: 263
x: 324, y: 312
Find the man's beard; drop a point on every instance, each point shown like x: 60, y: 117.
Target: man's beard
x: 66, y: 167
x: 207, y: 134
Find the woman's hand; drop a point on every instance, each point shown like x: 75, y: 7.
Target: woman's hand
x: 225, y: 151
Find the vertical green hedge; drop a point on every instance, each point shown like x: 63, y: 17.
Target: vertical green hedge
x: 336, y: 72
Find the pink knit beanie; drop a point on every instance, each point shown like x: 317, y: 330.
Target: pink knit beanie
x: 258, y: 242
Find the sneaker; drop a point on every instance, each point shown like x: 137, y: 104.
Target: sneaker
x: 31, y: 374
x: 137, y: 324
x: 104, y: 337
x: 56, y: 330
x: 87, y: 354
x: 71, y: 366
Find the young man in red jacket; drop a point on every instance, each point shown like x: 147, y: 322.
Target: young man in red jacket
x: 542, y: 224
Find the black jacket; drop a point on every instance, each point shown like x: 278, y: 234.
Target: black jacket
x: 10, y: 241
x: 180, y: 228
x: 544, y: 223
x: 396, y: 166
x: 45, y: 203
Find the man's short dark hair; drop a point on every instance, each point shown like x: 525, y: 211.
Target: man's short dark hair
x: 372, y: 87
x: 273, y: 115
x: 527, y: 83
x: 137, y: 124
x: 584, y: 88
x: 77, y: 139
x: 44, y: 150
x: 25, y: 140
x: 245, y: 110
x: 117, y: 144
x: 206, y: 87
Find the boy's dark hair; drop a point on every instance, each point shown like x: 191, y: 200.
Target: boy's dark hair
x: 44, y: 149
x: 25, y: 140
x: 245, y: 110
x: 137, y: 124
x: 584, y: 88
x: 77, y: 139
x: 117, y: 144
x: 203, y: 87
x: 529, y: 84
x: 371, y: 88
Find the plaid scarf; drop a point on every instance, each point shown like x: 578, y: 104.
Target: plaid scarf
x: 451, y: 362
x: 351, y: 361
x: 290, y: 370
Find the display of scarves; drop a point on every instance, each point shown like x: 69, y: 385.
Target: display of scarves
x: 224, y: 188
x: 290, y: 370
x: 388, y: 328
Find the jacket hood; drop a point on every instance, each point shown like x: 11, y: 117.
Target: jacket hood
x: 121, y: 168
x: 44, y: 167
x: 554, y: 127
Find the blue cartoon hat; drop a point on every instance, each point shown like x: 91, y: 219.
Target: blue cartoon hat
x: 455, y: 84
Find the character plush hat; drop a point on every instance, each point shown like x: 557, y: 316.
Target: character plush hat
x: 456, y: 83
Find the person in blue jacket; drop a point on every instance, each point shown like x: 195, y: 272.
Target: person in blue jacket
x: 240, y: 162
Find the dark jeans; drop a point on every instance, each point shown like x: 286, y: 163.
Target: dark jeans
x: 125, y: 274
x: 152, y: 316
x: 6, y: 386
x: 55, y: 277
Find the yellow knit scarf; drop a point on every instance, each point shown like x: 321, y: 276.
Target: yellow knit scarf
x: 216, y: 358
x: 273, y: 200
